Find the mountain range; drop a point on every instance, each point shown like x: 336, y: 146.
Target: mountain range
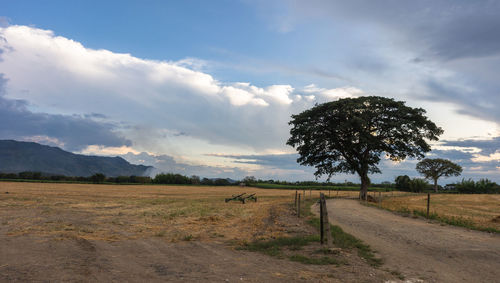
x: 17, y: 156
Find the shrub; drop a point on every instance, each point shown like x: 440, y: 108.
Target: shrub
x: 170, y: 178
x: 98, y: 178
x: 418, y: 185
x: 483, y: 186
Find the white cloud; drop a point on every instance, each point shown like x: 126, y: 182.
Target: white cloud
x: 240, y: 97
x: 57, y: 75
x: 107, y: 150
x: 42, y: 62
x: 280, y: 93
x: 334, y: 93
x: 486, y: 158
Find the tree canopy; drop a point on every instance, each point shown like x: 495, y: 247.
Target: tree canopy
x: 436, y: 168
x: 350, y: 135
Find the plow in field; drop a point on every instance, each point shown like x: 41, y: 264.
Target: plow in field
x: 242, y: 198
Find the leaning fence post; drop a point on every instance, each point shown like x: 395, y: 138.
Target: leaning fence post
x: 325, y: 225
x: 428, y: 203
x: 295, y: 198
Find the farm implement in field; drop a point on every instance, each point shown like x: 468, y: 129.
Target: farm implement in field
x: 242, y: 198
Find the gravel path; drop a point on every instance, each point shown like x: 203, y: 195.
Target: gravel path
x: 419, y: 249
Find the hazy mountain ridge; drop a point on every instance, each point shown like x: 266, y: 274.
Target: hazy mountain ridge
x: 16, y: 156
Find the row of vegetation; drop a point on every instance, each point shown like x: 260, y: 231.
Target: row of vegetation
x: 402, y: 183
x: 163, y: 178
x: 417, y: 185
x: 329, y: 186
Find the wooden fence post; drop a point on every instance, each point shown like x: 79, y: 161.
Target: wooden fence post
x: 295, y: 198
x: 310, y: 193
x: 298, y: 207
x: 326, y: 235
x: 321, y: 221
x: 428, y: 203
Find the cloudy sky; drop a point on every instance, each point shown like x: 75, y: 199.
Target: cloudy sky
x: 208, y: 87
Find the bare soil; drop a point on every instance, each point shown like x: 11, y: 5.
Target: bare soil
x: 419, y: 249
x: 41, y: 259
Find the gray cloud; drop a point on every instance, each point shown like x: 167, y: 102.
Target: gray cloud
x: 281, y: 161
x: 167, y: 164
x: 390, y: 170
x: 74, y: 132
x: 447, y: 29
x: 486, y: 146
x: 459, y: 38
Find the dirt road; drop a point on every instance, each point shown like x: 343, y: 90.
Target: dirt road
x: 35, y: 259
x: 419, y: 249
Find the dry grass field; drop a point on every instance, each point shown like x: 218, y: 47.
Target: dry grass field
x: 87, y: 232
x: 479, y: 210
x: 117, y: 212
x: 148, y: 233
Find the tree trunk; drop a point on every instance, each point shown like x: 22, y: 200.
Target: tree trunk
x: 435, y: 185
x: 364, y: 187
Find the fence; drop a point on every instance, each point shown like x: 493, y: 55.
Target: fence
x: 325, y: 234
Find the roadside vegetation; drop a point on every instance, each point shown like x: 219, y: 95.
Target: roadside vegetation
x: 305, y: 248
x: 473, y: 211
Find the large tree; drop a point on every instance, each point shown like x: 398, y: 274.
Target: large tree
x: 436, y: 168
x: 350, y: 135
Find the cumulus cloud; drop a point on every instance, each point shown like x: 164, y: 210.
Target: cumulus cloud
x: 121, y: 75
x: 59, y: 75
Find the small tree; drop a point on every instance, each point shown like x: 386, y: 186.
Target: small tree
x: 435, y: 168
x: 403, y: 183
x: 350, y: 135
x: 249, y: 180
x: 98, y: 178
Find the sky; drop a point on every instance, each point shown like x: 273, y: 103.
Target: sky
x: 207, y: 88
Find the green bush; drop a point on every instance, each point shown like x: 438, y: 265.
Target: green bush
x: 483, y: 186
x: 171, y: 178
x: 418, y: 185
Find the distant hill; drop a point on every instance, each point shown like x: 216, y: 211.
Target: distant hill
x: 16, y: 156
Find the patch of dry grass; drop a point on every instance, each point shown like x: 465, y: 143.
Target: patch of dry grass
x: 114, y: 212
x: 483, y: 210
